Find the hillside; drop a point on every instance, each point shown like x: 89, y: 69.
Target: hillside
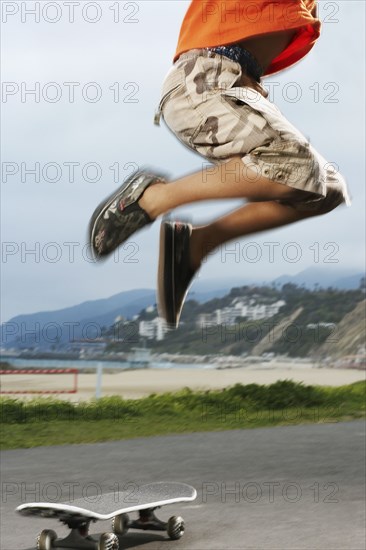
x: 300, y: 327
x: 242, y: 321
x: 349, y: 336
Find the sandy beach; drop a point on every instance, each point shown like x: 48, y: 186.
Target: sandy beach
x: 133, y: 384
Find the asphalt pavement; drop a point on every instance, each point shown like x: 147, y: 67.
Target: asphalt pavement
x: 293, y: 487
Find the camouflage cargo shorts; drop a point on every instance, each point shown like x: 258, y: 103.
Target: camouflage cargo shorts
x: 208, y: 110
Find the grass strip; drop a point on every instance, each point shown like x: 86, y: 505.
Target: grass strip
x: 47, y: 421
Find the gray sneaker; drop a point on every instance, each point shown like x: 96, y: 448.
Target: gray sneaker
x: 175, y: 275
x: 119, y: 215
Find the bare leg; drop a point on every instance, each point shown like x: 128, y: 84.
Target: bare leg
x: 226, y: 181
x: 251, y: 218
x: 229, y: 180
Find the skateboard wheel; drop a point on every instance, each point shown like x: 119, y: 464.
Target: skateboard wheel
x: 108, y: 541
x: 175, y: 528
x: 120, y: 524
x: 45, y: 539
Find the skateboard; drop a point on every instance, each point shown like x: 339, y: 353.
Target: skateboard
x: 115, y: 506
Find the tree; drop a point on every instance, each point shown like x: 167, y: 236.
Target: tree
x: 362, y: 284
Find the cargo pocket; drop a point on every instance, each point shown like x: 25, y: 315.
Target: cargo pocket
x: 275, y: 119
x: 171, y: 84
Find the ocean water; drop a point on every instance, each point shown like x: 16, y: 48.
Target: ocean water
x: 86, y: 364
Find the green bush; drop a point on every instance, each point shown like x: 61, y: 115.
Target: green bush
x: 280, y: 395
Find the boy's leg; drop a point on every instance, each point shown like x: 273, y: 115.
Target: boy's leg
x: 183, y: 248
x: 251, y: 218
x: 143, y: 197
x: 226, y: 181
x: 229, y: 180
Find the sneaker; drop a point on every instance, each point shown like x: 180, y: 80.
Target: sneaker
x: 175, y: 274
x: 119, y: 215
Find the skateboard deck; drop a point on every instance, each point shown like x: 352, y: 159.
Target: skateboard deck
x: 78, y: 514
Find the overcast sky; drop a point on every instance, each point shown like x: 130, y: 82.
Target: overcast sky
x: 81, y: 139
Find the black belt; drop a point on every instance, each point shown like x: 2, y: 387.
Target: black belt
x: 247, y: 61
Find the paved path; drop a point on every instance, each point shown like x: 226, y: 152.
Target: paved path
x: 297, y: 487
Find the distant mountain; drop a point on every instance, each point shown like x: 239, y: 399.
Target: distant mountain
x: 86, y: 319
x: 348, y: 283
x: 77, y: 320
x: 89, y: 308
x: 323, y: 277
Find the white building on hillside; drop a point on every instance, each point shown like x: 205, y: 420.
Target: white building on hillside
x: 206, y: 319
x: 240, y: 307
x: 153, y: 330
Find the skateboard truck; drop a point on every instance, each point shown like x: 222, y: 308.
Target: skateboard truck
x: 147, y: 520
x: 77, y: 538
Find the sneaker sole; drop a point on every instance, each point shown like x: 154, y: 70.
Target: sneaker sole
x: 99, y: 213
x: 167, y: 307
x: 166, y: 302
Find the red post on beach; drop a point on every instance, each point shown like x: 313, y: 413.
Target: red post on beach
x: 74, y: 389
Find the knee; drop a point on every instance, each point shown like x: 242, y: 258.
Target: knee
x: 310, y: 204
x: 336, y: 190
x: 336, y: 193
x: 333, y: 198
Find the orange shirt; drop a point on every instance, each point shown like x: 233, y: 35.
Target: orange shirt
x: 220, y: 22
